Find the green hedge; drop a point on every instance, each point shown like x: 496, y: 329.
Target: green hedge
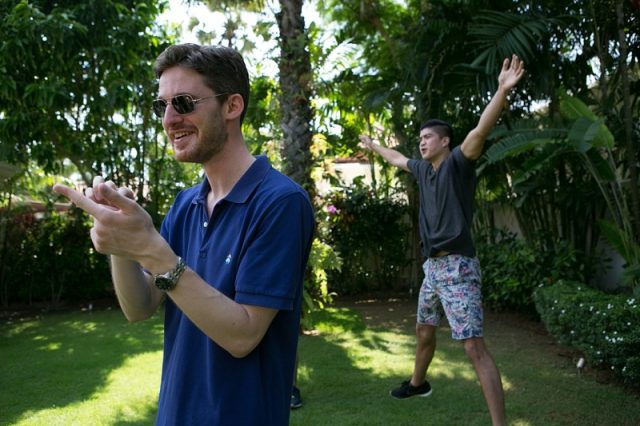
x: 606, y: 327
x: 512, y: 268
x: 50, y: 259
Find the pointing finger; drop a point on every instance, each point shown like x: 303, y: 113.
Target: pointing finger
x: 80, y: 200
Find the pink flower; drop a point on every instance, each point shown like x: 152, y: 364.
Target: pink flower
x: 331, y: 209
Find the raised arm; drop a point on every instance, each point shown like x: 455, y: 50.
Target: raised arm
x: 512, y: 71
x: 391, y: 156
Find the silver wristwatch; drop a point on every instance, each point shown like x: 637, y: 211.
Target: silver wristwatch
x: 168, y: 280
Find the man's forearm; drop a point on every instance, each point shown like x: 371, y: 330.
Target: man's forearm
x: 137, y: 297
x: 492, y: 111
x: 392, y: 156
x: 473, y: 144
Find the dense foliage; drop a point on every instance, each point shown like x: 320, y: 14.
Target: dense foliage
x: 567, y: 148
x: 77, y: 86
x: 512, y: 268
x: 51, y: 259
x: 603, y: 326
x: 371, y: 235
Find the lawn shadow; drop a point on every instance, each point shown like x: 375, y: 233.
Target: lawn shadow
x: 65, y: 358
x: 542, y: 385
x: 347, y: 370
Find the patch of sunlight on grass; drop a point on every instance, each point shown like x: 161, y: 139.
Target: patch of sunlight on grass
x: 54, y: 346
x: 83, y: 327
x: 389, y: 354
x: 17, y: 329
x: 507, y: 384
x: 338, y: 321
x: 380, y: 353
x: 304, y: 372
x: 129, y: 395
x: 451, y: 369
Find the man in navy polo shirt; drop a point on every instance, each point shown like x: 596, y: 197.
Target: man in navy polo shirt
x: 229, y: 260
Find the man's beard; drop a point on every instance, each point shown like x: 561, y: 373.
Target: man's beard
x: 214, y: 139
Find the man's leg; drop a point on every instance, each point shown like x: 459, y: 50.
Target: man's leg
x: 489, y: 377
x: 425, y: 348
x: 462, y: 301
x: 428, y: 316
x: 296, y: 398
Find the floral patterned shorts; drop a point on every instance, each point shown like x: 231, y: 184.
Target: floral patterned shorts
x: 452, y: 282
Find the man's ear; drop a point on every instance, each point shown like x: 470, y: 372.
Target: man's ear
x: 446, y: 140
x: 234, y: 105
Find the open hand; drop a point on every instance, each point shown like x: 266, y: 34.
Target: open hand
x: 512, y: 71
x: 365, y: 142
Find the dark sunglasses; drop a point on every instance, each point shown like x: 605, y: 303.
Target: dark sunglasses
x: 183, y: 104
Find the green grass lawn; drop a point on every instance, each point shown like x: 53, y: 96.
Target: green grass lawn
x: 94, y: 368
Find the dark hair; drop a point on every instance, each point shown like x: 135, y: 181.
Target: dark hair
x: 442, y: 128
x: 222, y: 68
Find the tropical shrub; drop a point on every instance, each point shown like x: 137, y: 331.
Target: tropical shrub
x: 512, y: 268
x: 316, y: 289
x: 606, y: 327
x: 371, y: 234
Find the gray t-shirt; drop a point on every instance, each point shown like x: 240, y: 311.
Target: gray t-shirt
x: 446, y: 204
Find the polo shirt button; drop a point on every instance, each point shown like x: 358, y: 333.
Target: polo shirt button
x: 205, y: 224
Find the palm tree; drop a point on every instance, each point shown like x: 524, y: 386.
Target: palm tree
x: 295, y: 80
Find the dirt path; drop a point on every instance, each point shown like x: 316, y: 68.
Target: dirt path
x: 399, y: 310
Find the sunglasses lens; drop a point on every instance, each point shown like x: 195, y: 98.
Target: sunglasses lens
x: 159, y: 106
x: 183, y: 104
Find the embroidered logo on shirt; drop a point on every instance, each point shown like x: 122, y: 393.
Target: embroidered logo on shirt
x: 228, y: 259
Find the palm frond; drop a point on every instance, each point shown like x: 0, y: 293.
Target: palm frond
x: 587, y: 130
x: 501, y: 34
x: 521, y: 142
x: 600, y: 168
x: 620, y: 241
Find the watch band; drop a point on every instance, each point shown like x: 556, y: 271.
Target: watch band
x: 168, y: 280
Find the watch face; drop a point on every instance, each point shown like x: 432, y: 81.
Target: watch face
x: 168, y: 280
x: 164, y: 283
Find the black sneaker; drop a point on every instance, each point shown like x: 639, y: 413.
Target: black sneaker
x: 406, y: 390
x: 296, y: 400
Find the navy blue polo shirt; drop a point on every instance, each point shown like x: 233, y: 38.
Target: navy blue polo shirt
x: 254, y: 249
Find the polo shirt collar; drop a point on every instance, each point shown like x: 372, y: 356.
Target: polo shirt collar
x: 243, y: 189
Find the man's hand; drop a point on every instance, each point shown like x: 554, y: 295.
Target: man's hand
x: 366, y: 142
x: 98, y: 198
x: 512, y: 71
x: 121, y: 227
x: 392, y: 156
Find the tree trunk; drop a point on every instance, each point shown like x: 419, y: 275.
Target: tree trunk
x: 295, y: 99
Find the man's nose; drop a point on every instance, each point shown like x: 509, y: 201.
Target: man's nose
x: 170, y: 115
